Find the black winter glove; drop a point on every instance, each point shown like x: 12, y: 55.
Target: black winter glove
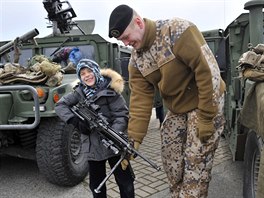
x: 205, y: 130
x: 74, y: 121
x: 84, y: 127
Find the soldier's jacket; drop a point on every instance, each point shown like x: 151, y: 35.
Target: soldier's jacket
x: 175, y: 58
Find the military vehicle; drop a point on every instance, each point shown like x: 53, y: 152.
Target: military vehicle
x: 29, y: 127
x: 239, y: 52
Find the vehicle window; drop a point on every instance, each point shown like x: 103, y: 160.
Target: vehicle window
x: 26, y: 54
x: 86, y: 50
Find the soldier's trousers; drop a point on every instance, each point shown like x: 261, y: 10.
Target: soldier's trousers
x: 186, y: 161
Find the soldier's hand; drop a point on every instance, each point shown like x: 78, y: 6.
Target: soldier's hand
x: 205, y: 130
x: 136, y: 147
x: 125, y: 162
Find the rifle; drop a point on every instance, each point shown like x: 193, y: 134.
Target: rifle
x: 115, y: 140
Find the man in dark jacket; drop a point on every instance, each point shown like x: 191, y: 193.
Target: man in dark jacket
x: 93, y: 84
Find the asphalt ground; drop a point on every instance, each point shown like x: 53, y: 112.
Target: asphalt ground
x: 20, y: 178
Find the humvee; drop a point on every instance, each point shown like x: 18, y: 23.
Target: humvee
x: 29, y: 126
x: 236, y: 48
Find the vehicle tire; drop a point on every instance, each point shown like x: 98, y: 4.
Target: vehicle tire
x: 251, y: 165
x: 60, y: 154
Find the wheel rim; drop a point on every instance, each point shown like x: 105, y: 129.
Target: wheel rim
x: 76, y: 146
x: 255, y: 167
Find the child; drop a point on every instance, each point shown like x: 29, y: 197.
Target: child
x: 93, y: 85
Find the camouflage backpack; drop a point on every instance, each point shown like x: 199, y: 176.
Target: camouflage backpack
x: 251, y: 63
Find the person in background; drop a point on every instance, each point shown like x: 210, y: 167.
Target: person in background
x: 173, y: 57
x: 103, y: 88
x: 68, y: 57
x: 159, y: 110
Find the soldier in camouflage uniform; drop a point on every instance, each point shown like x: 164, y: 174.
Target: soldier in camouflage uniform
x: 172, y: 56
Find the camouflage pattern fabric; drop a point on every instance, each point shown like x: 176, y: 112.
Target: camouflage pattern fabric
x: 25, y: 78
x: 49, y: 68
x: 37, y: 59
x: 160, y: 52
x: 251, y: 64
x: 39, y: 71
x: 13, y: 73
x: 187, y: 162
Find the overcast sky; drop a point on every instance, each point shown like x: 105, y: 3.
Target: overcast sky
x: 20, y: 16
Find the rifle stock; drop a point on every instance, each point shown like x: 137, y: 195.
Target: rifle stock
x: 117, y: 141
